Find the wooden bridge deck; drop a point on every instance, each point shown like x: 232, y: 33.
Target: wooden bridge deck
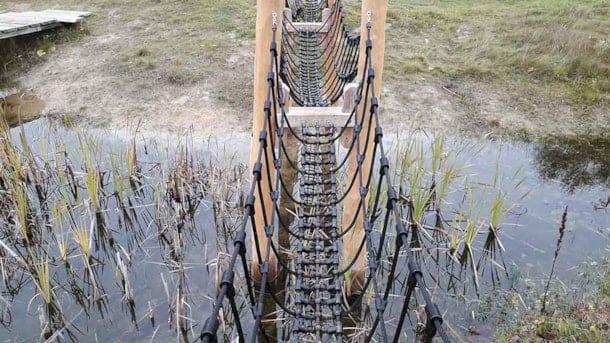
x: 14, y: 24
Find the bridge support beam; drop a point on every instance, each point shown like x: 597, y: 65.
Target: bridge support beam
x: 351, y: 241
x: 264, y: 22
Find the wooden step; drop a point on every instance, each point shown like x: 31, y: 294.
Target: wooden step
x: 293, y: 27
x: 70, y: 17
x: 324, y: 116
x: 18, y: 19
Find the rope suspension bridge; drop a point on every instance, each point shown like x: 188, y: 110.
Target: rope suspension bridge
x: 318, y: 248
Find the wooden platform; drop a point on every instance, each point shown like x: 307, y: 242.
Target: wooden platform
x: 325, y: 116
x: 20, y: 23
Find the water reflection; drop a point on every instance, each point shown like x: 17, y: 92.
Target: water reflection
x: 574, y: 161
x: 498, y: 222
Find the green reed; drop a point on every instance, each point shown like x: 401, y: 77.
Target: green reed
x: 449, y: 210
x: 68, y: 215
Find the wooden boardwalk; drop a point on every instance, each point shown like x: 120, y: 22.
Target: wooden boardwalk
x: 14, y: 24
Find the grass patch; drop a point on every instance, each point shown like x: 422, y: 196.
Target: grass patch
x: 605, y: 289
x: 142, y: 58
x: 553, y: 51
x: 200, y: 35
x: 18, y: 54
x: 563, y: 42
x: 580, y: 318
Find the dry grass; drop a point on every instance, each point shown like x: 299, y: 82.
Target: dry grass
x: 583, y: 319
x: 555, y: 42
x: 178, y: 42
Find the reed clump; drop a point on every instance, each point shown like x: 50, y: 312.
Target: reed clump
x: 454, y: 216
x: 70, y: 215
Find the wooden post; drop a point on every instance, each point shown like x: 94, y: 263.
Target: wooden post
x: 351, y: 241
x: 264, y: 22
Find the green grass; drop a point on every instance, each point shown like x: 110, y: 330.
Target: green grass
x: 555, y: 42
x: 201, y: 35
x: 581, y: 318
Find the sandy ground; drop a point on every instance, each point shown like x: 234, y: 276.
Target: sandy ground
x: 84, y: 80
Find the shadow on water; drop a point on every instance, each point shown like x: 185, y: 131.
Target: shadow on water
x: 121, y: 236
x: 574, y: 161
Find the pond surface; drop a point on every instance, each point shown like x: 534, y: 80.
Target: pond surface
x: 182, y: 182
x: 161, y: 230
x: 558, y: 175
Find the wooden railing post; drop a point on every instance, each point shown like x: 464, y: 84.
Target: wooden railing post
x: 351, y: 241
x: 264, y: 22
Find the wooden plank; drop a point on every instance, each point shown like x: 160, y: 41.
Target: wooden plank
x: 325, y: 116
x: 40, y: 16
x: 24, y: 30
x: 321, y: 27
x: 21, y: 23
x: 66, y: 16
x: 10, y: 27
x: 306, y: 27
x: 349, y: 97
x: 68, y: 13
x: 376, y: 10
x: 349, y: 101
x: 16, y: 18
x: 264, y: 22
x: 62, y: 16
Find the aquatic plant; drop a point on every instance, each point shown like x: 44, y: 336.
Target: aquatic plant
x: 63, y: 209
x: 562, y: 230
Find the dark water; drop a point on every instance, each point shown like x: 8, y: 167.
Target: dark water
x: 560, y: 173
x: 557, y: 174
x: 158, y: 277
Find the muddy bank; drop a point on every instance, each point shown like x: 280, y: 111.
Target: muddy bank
x: 20, y: 108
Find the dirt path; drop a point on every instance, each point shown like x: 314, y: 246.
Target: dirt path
x: 86, y: 82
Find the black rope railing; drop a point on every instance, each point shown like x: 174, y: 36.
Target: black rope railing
x: 316, y: 64
x: 314, y: 308
x: 227, y: 289
x: 434, y: 324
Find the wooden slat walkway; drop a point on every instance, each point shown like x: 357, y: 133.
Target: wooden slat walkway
x: 20, y: 23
